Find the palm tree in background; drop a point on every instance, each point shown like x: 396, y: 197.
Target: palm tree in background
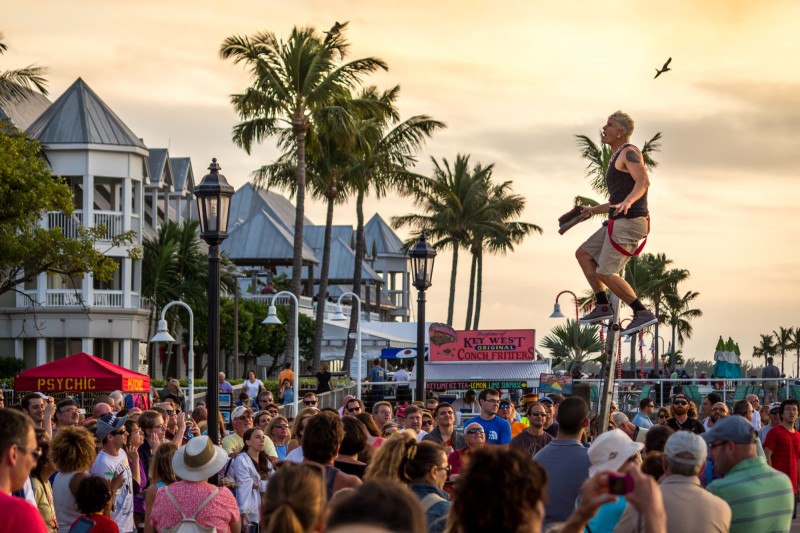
x: 678, y: 314
x: 453, y: 205
x: 766, y: 347
x: 796, y: 346
x: 386, y: 165
x: 783, y: 343
x: 572, y: 345
x: 18, y: 83
x: 292, y: 81
x: 651, y: 279
x: 504, y: 208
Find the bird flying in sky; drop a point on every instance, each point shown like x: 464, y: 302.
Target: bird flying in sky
x: 663, y: 69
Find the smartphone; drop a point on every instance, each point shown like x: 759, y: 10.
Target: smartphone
x: 82, y: 525
x: 620, y: 485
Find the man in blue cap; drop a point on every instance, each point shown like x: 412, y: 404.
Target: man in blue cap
x: 760, y: 497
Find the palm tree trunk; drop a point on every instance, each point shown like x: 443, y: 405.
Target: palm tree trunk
x: 299, y: 128
x: 322, y: 294
x: 360, y: 251
x: 453, y: 273
x: 655, y: 339
x: 478, y: 290
x: 471, y: 299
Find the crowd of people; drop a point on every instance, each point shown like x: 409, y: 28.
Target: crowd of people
x: 540, y: 464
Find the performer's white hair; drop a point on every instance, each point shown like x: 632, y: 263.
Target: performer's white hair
x: 623, y: 122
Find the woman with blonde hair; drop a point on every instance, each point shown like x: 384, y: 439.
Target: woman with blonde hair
x: 160, y: 474
x: 279, y: 432
x: 298, y: 426
x: 386, y: 462
x: 295, y: 500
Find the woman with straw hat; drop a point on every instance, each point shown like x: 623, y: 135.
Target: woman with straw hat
x: 193, y: 496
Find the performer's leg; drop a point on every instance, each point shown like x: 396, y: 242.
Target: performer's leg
x: 589, y: 267
x: 618, y: 286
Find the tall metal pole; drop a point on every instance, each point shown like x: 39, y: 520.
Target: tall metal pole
x: 610, y: 363
x: 190, y: 361
x: 272, y: 318
x: 420, y: 392
x: 235, y: 371
x: 212, y: 395
x: 359, y: 375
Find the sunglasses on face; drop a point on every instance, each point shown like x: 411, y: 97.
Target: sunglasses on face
x: 662, y: 416
x: 680, y: 402
x: 36, y: 452
x: 447, y: 469
x: 170, y: 412
x: 353, y: 409
x: 474, y: 431
x: 120, y: 432
x: 281, y: 426
x: 310, y: 402
x: 505, y: 405
x: 537, y: 414
x: 427, y: 422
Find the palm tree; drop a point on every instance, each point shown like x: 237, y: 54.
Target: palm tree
x: 454, y: 204
x: 796, y: 346
x: 679, y: 314
x: 292, y: 81
x: 783, y: 343
x: 503, y: 209
x: 18, y: 83
x: 651, y: 280
x: 572, y: 345
x: 766, y: 348
x: 385, y: 165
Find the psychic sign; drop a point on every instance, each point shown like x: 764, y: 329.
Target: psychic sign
x: 500, y: 345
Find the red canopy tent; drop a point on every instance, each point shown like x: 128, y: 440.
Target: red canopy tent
x: 81, y: 373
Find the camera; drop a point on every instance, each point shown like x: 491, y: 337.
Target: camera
x: 620, y: 485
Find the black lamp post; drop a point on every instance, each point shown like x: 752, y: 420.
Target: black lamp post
x: 422, y: 256
x: 213, y: 205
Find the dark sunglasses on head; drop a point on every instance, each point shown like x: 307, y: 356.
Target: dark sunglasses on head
x: 473, y: 431
x: 310, y: 402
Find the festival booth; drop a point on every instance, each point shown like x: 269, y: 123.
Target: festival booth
x: 81, y: 373
x: 480, y: 359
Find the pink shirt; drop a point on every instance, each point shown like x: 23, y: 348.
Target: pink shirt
x: 219, y: 512
x: 19, y: 515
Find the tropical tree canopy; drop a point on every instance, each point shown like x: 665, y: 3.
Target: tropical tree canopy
x: 573, y: 345
x: 18, y: 83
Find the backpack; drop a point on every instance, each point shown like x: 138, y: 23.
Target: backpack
x: 188, y: 524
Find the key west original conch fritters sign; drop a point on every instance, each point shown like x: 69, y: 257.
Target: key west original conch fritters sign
x: 497, y: 345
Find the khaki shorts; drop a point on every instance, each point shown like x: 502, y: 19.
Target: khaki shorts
x: 628, y: 232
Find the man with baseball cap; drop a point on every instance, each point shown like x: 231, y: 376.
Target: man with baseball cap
x: 550, y: 424
x: 111, y: 464
x: 760, y: 497
x: 688, y: 506
x: 242, y: 420
x: 680, y: 420
x: 774, y: 420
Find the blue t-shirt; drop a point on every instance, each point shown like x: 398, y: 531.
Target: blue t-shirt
x: 498, y: 431
x: 377, y: 374
x: 642, y: 420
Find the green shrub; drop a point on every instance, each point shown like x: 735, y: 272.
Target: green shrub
x: 11, y: 366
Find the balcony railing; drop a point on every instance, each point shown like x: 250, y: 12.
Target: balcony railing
x: 266, y: 299
x: 63, y: 298
x: 108, y: 298
x: 111, y: 220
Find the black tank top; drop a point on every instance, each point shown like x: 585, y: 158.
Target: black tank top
x: 620, y: 184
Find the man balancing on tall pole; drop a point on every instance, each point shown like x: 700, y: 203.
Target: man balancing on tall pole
x: 605, y: 253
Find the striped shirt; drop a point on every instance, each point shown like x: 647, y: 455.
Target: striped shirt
x: 760, y: 497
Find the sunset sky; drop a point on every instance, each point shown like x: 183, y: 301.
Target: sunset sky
x: 514, y: 82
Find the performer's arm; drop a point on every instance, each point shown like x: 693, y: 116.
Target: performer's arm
x: 634, y: 164
x: 598, y: 209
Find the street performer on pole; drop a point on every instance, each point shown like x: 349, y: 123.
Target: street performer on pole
x: 605, y: 253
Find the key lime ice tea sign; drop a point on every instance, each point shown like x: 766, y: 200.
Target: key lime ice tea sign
x: 483, y: 346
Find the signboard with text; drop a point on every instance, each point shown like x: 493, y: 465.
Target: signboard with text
x: 501, y: 345
x: 441, y: 386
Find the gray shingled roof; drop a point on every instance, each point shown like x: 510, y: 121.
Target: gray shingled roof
x: 261, y: 239
x: 343, y: 258
x: 248, y: 201
x: 23, y: 111
x: 160, y: 169
x: 182, y: 174
x: 378, y: 233
x: 79, y: 116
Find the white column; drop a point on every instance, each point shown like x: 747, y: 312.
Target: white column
x: 19, y: 348
x: 87, y: 345
x: 127, y: 194
x: 125, y: 356
x: 125, y: 279
x: 41, y: 351
x: 41, y: 289
x: 154, y: 204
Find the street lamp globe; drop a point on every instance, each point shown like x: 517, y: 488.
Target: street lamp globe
x: 422, y: 257
x: 272, y: 317
x: 339, y: 313
x: 162, y: 335
x: 213, y: 204
x: 557, y: 311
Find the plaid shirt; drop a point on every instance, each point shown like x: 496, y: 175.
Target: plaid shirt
x: 785, y: 448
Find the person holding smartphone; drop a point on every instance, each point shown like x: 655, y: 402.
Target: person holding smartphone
x: 95, y: 499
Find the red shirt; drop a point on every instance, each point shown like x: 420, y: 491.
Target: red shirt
x: 102, y: 524
x: 785, y: 448
x: 19, y: 515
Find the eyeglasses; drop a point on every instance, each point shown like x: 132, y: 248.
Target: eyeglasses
x: 120, y: 432
x: 680, y: 402
x: 281, y: 426
x: 474, y: 431
x: 310, y: 402
x: 35, y: 453
x: 170, y: 412
x: 427, y: 422
x: 715, y: 444
x: 447, y: 469
x: 537, y: 414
